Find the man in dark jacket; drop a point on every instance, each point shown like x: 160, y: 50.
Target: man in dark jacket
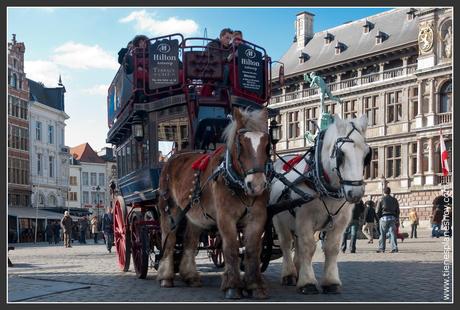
x: 370, y: 218
x: 83, y: 225
x: 388, y: 214
x: 67, y: 225
x: 352, y: 229
x: 107, y: 228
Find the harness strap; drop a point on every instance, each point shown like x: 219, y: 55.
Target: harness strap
x: 329, y: 224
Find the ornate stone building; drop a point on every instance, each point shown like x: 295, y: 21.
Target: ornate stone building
x: 19, y: 189
x: 396, y: 67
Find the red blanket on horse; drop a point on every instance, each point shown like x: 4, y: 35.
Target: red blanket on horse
x: 202, y: 162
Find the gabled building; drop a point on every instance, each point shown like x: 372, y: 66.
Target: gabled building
x: 396, y: 67
x: 88, y: 182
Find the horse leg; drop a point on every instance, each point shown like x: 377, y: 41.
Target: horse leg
x: 231, y: 281
x: 331, y: 283
x: 166, y: 267
x: 289, y: 271
x: 187, y: 268
x: 253, y: 231
x: 306, y: 247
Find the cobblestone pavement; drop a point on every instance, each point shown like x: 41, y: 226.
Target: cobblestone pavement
x: 88, y: 273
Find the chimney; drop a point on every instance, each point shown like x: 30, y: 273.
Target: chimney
x: 304, y: 28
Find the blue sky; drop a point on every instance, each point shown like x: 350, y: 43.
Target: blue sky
x: 82, y: 44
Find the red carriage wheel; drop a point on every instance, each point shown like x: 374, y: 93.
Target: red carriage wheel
x: 215, y: 251
x: 121, y: 234
x: 140, y: 243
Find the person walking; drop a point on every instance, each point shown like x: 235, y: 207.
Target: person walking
x: 49, y: 232
x: 107, y: 228
x: 57, y: 232
x: 67, y: 225
x: 413, y: 220
x: 388, y: 213
x: 83, y: 225
x: 352, y: 229
x: 94, y: 228
x: 370, y: 218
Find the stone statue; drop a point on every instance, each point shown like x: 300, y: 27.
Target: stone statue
x: 448, y: 42
x: 326, y: 118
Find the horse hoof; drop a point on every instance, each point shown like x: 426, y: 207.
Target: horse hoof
x: 289, y: 281
x: 331, y: 289
x: 259, y: 293
x: 233, y: 293
x: 166, y: 283
x: 309, y: 289
x: 194, y: 283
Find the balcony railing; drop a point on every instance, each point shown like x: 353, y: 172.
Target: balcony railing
x: 441, y: 179
x: 444, y: 118
x: 348, y: 83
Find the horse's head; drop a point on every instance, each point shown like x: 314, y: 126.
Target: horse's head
x: 248, y: 144
x: 345, y: 154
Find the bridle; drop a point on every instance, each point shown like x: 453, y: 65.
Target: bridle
x: 338, y: 154
x: 258, y: 169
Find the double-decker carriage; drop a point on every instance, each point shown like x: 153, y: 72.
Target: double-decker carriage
x: 170, y: 95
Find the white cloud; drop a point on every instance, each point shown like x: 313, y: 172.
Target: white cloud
x: 43, y: 71
x: 146, y: 22
x: 79, y: 56
x: 97, y: 90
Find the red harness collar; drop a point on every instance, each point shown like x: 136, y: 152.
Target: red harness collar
x: 202, y: 162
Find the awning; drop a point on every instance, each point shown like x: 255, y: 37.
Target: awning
x: 31, y: 213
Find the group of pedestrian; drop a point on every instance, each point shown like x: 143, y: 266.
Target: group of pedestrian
x: 53, y: 232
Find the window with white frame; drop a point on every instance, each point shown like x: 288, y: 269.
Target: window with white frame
x: 293, y: 124
x: 50, y: 134
x: 93, y: 178
x: 371, y: 109
x: 51, y: 166
x: 84, y: 177
x: 394, y: 106
x: 393, y: 161
x: 39, y: 164
x: 101, y: 179
x: 38, y: 131
x: 86, y: 197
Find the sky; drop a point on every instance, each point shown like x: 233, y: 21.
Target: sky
x: 82, y: 44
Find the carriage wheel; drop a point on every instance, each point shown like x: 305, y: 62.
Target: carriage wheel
x: 140, y: 243
x: 215, y: 251
x: 121, y: 234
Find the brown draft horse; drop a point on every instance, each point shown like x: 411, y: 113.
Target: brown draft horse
x: 236, y: 194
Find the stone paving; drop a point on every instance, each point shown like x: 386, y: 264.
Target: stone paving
x: 88, y: 273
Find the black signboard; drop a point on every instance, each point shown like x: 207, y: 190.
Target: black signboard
x: 250, y: 69
x: 164, y: 63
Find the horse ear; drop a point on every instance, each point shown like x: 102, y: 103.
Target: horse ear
x: 339, y: 123
x: 264, y: 114
x: 362, y: 123
x: 238, y: 117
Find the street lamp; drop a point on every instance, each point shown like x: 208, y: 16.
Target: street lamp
x: 36, y: 212
x: 98, y: 188
x: 137, y: 128
x: 275, y: 134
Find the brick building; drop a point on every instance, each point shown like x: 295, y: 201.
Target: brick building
x: 396, y: 67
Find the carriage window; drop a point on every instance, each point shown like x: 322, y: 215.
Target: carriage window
x: 172, y: 137
x: 128, y: 158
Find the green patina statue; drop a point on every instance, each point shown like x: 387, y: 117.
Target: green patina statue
x: 326, y: 118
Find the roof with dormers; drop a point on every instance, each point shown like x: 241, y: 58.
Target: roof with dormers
x: 85, y: 153
x: 394, y: 24
x: 52, y: 97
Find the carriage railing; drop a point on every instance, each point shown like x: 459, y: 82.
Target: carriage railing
x: 142, y: 68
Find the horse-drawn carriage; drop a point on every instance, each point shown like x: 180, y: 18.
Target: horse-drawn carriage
x: 185, y: 166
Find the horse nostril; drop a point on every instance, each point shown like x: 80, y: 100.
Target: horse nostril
x: 349, y: 193
x: 249, y: 185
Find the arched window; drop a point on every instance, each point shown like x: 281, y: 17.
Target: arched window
x: 52, y: 200
x: 445, y: 98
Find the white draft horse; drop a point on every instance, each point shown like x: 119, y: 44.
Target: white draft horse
x: 233, y: 189
x: 343, y: 155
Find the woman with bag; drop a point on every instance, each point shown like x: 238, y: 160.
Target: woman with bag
x: 413, y: 219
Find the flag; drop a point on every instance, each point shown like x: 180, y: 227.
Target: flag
x: 444, y: 157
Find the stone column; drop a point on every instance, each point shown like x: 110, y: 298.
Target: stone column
x: 418, y: 176
x: 430, y: 115
x: 405, y: 165
x: 283, y: 93
x: 430, y: 176
x: 382, y: 66
x: 338, y: 80
x: 360, y: 73
x: 419, y: 116
x: 404, y: 59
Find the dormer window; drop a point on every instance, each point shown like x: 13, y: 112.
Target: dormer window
x: 367, y: 27
x: 328, y: 38
x: 411, y: 14
x: 303, y: 57
x: 380, y: 37
x: 339, y: 47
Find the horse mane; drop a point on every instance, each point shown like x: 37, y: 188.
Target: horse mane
x: 252, y: 121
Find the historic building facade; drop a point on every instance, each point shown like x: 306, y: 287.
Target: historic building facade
x: 49, y: 156
x: 19, y: 189
x: 88, y: 180
x: 396, y: 67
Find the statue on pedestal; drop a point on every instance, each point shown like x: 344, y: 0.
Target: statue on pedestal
x: 326, y: 118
